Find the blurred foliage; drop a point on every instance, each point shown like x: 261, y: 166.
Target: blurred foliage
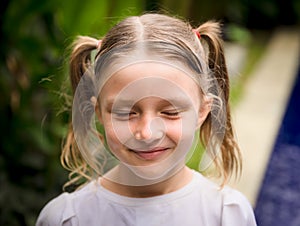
x: 34, y: 101
x: 34, y: 38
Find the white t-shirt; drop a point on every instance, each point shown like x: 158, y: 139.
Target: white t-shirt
x: 199, y: 203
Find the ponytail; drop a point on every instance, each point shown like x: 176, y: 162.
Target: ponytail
x: 230, y: 159
x: 211, y: 33
x: 71, y: 158
x: 80, y: 58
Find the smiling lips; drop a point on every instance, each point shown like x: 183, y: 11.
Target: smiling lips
x: 152, y: 154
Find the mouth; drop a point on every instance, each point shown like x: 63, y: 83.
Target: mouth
x: 151, y: 154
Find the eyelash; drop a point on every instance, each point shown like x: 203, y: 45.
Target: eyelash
x: 123, y: 114
x: 126, y: 115
x: 171, y: 114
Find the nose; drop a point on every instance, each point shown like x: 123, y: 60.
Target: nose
x: 149, y: 128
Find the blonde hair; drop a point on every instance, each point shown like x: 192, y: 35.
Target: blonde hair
x: 207, y: 54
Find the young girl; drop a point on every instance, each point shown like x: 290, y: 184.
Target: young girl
x: 154, y: 87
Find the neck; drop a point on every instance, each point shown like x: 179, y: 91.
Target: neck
x: 181, y: 178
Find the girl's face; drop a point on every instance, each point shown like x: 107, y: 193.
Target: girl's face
x: 150, y: 112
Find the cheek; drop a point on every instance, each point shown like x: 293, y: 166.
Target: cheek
x: 117, y: 134
x: 174, y: 132
x: 185, y: 130
x: 111, y: 138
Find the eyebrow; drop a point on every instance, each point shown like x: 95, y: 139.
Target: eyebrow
x: 123, y: 102
x: 177, y: 100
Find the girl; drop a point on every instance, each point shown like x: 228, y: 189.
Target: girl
x: 156, y: 85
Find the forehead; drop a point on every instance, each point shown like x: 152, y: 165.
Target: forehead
x: 150, y: 74
x: 141, y: 80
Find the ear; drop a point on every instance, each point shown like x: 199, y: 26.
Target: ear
x: 204, y: 110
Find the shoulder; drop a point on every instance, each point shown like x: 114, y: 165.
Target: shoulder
x: 64, y: 207
x: 236, y: 208
x: 226, y: 195
x: 55, y: 211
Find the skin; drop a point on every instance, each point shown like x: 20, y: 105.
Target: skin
x: 149, y: 112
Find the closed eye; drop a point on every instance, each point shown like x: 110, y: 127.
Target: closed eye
x: 171, y: 114
x: 123, y: 115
